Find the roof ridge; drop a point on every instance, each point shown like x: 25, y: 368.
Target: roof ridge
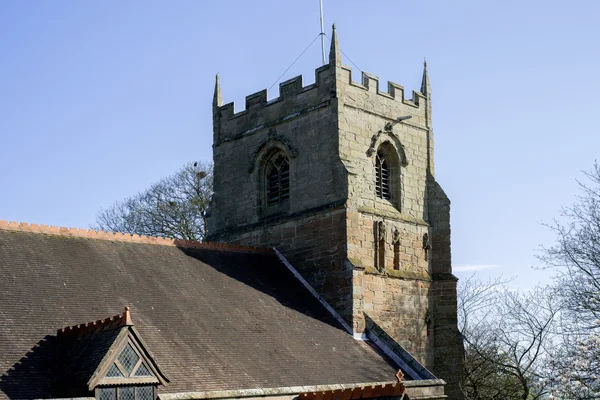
x: 123, y: 237
x: 106, y: 324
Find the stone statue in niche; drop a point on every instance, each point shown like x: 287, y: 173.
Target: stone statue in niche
x: 380, y: 231
x: 426, y: 244
x: 380, y: 246
x: 396, y: 237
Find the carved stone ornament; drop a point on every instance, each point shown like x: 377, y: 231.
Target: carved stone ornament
x: 426, y: 245
x: 380, y: 231
x: 426, y: 242
x: 388, y: 130
x: 396, y: 237
x: 371, y: 149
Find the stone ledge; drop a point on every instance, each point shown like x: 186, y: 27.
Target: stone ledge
x: 275, y: 220
x: 391, y: 273
x: 394, y: 215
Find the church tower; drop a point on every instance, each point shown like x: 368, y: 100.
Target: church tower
x: 339, y: 177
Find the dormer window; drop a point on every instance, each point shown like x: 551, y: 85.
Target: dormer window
x: 130, y: 368
x: 126, y: 393
x: 124, y: 369
x: 128, y: 365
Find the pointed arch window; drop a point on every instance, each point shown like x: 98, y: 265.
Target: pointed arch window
x: 388, y: 174
x: 277, y: 176
x: 382, y: 176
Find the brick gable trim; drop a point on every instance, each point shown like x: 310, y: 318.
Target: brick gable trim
x: 123, y: 237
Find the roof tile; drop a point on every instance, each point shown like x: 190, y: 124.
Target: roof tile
x: 215, y: 317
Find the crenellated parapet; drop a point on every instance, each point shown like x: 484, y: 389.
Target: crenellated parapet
x: 370, y: 83
x: 295, y: 99
x: 369, y: 95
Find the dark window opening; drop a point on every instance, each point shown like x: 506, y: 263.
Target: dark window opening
x: 397, y: 255
x: 278, y: 180
x: 381, y: 253
x: 382, y: 177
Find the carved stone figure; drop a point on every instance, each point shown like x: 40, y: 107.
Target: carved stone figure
x: 380, y: 231
x: 426, y: 244
x: 396, y: 237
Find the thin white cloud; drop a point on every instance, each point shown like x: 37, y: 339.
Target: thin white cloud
x: 475, y: 267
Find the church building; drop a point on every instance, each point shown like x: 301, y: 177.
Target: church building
x: 326, y: 274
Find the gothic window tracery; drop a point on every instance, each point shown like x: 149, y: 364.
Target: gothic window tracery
x: 382, y: 176
x: 277, y: 180
x: 387, y: 174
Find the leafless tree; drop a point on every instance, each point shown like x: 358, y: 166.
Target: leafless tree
x: 174, y: 207
x: 508, y: 336
x: 576, y: 254
x: 576, y: 258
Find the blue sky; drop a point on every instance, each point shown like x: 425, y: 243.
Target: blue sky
x: 99, y: 99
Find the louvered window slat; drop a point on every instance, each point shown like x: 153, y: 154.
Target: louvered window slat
x: 382, y: 178
x: 278, y: 180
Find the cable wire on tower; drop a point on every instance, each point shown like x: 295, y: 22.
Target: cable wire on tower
x: 301, y: 54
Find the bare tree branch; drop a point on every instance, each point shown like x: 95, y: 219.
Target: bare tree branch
x: 174, y: 207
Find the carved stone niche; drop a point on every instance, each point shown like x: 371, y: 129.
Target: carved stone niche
x: 393, y: 138
x: 396, y: 237
x: 380, y: 240
x: 426, y: 244
x: 380, y: 231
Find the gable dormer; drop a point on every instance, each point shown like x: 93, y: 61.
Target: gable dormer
x: 109, y: 360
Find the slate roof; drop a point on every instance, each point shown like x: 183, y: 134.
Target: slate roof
x: 76, y: 359
x: 214, y: 318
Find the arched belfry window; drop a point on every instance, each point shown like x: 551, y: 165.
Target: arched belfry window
x: 387, y: 174
x: 277, y: 176
x: 382, y: 176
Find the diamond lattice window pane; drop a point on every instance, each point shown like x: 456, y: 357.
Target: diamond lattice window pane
x: 128, y: 358
x: 143, y: 371
x: 126, y: 393
x: 107, y: 394
x: 145, y: 393
x: 114, y: 372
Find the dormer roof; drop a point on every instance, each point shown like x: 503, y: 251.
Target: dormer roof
x: 104, y: 352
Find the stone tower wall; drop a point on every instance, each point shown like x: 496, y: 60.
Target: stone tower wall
x: 311, y: 233
x: 336, y: 227
x: 398, y: 300
x: 302, y: 122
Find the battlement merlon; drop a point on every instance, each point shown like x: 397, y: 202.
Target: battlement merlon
x: 295, y: 99
x: 332, y: 81
x: 294, y: 87
x: 369, y: 96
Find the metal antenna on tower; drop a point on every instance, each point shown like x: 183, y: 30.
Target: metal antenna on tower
x: 322, y: 32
